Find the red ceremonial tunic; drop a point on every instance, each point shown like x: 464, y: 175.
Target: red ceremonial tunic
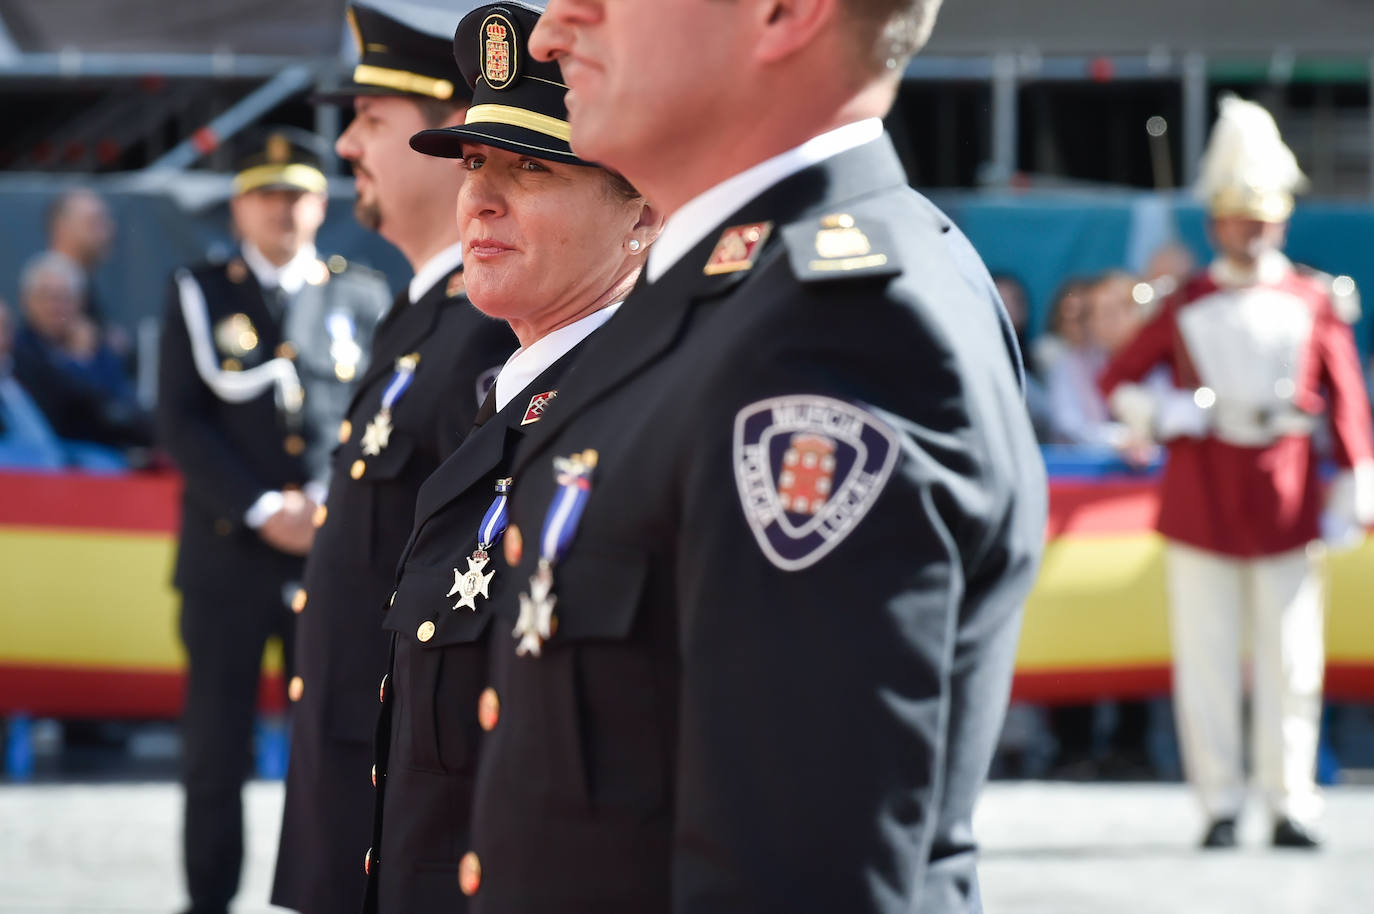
x: 1271, y: 342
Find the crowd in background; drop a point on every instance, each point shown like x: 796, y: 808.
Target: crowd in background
x: 67, y: 398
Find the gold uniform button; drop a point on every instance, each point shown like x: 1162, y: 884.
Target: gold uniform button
x: 381, y: 689
x: 286, y: 351
x: 425, y: 631
x: 231, y: 365
x: 223, y: 527
x: 470, y: 874
x: 321, y: 512
x: 358, y: 469
x: 296, y: 689
x: 345, y: 431
x: 369, y: 862
x: 294, y: 445
x: 298, y: 601
x: 488, y: 709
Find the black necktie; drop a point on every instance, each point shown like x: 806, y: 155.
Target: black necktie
x: 488, y: 408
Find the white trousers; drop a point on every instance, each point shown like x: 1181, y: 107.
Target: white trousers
x: 1278, y: 601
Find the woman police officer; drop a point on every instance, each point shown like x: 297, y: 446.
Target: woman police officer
x: 552, y: 245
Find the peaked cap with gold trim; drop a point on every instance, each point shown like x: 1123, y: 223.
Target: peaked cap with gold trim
x: 272, y: 158
x: 517, y: 101
x: 396, y: 58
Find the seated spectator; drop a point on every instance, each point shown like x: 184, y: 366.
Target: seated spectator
x: 1079, y: 413
x: 1066, y: 328
x: 62, y: 360
x: 1017, y: 303
x: 1169, y: 267
x: 79, y: 226
x: 27, y: 441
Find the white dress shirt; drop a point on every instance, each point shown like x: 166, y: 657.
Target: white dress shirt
x: 530, y: 362
x: 289, y: 277
x: 435, y: 269
x: 689, y: 225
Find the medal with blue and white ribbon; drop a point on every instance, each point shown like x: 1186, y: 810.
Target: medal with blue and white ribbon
x: 469, y: 585
x: 378, y: 432
x: 537, y: 624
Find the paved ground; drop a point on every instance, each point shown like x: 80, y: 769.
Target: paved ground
x: 1050, y: 849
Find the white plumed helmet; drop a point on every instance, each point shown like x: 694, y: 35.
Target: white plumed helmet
x: 1247, y: 169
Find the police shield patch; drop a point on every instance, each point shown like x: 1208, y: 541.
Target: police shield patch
x: 808, y: 469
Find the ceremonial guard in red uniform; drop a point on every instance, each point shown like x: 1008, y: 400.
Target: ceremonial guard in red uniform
x: 1260, y: 357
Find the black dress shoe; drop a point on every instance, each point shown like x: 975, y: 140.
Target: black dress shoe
x: 1221, y: 833
x: 1288, y: 833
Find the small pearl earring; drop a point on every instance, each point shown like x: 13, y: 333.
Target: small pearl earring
x: 634, y: 245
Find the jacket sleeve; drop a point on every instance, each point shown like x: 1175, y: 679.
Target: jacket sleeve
x: 1349, y: 409
x: 216, y: 474
x: 824, y: 686
x: 1152, y: 345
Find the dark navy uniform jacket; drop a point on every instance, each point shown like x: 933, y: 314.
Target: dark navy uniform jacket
x: 786, y: 624
x: 433, y: 716
x: 233, y: 438
x: 341, y: 646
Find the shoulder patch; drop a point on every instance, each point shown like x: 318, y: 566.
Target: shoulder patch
x: 808, y: 468
x: 838, y: 246
x: 739, y: 246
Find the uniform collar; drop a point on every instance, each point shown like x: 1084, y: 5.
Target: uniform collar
x: 289, y: 277
x: 695, y: 220
x: 435, y: 269
x: 528, y: 363
x: 1271, y: 268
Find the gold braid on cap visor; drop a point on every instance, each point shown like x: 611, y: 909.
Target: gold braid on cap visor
x: 520, y: 117
x: 296, y: 175
x: 403, y: 81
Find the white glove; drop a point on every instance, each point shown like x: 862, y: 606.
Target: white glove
x: 1349, y: 507
x: 1180, y: 416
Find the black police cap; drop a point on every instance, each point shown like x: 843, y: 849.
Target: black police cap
x: 395, y: 58
x: 279, y: 157
x: 517, y: 101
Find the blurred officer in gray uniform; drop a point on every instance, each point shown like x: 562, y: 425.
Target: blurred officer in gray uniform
x: 433, y: 359
x: 258, y: 356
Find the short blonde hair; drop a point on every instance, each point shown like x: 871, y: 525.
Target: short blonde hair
x: 893, y: 30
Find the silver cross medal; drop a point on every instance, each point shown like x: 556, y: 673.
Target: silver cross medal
x: 472, y: 584
x: 378, y: 433
x: 536, y: 623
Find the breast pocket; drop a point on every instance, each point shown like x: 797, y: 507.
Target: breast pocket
x: 388, y: 481
x: 594, y: 716
x: 440, y: 671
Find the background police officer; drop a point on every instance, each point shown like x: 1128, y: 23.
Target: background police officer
x: 432, y: 359
x: 256, y: 356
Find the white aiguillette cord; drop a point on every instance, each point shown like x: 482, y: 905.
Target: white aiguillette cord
x: 232, y: 386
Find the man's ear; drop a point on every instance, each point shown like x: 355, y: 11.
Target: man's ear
x: 649, y: 224
x: 788, y: 26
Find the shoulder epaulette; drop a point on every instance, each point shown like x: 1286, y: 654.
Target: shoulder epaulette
x: 840, y: 246
x: 1342, y: 290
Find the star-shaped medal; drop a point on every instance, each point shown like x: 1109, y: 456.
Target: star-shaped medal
x: 468, y: 586
x: 535, y: 625
x: 377, y: 434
